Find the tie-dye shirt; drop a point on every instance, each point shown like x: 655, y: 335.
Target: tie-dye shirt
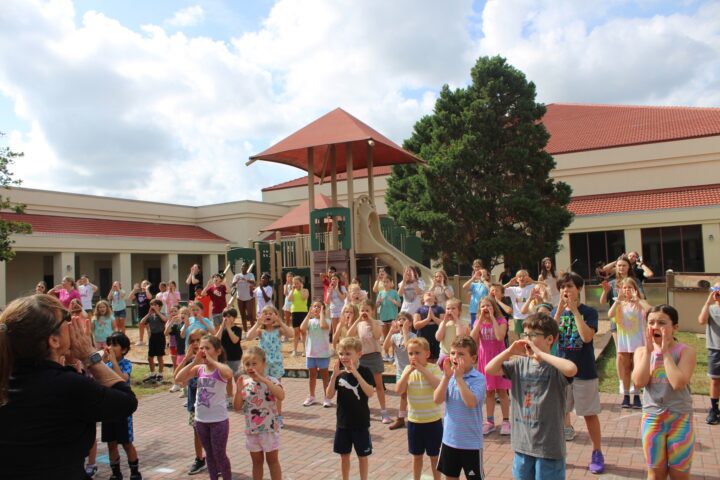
x: 630, y: 321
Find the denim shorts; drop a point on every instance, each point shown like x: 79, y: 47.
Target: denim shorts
x: 529, y: 467
x: 321, y: 363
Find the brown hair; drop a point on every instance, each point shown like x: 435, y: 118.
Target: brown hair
x: 25, y: 326
x: 255, y: 352
x: 465, y: 341
x: 493, y: 304
x: 544, y: 323
x: 217, y: 345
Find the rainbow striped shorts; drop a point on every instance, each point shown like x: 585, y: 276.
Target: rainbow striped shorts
x: 668, y: 440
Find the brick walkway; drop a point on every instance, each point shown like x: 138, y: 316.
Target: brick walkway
x: 164, y: 442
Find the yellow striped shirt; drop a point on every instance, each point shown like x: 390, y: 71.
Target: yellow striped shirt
x: 421, y: 407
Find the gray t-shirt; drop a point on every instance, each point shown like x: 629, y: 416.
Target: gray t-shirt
x: 155, y: 324
x: 712, y: 333
x: 659, y: 395
x: 538, y: 408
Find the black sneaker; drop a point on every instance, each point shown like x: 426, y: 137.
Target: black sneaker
x: 90, y: 471
x: 713, y: 417
x: 197, y: 466
x: 637, y: 404
x: 626, y: 401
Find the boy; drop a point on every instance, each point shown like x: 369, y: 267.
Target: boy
x: 120, y: 431
x: 397, y: 339
x: 539, y: 380
x: 230, y: 335
x: 353, y: 414
x: 217, y: 291
x: 578, y: 324
x: 426, y: 322
x: 462, y: 388
x: 710, y: 316
x: 519, y: 290
x: 156, y: 344
x: 424, y: 422
x: 204, y: 300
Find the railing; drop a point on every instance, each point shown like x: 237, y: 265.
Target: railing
x: 296, y: 251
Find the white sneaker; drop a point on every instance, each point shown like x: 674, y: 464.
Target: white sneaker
x: 293, y: 354
x: 327, y: 403
x: 174, y: 389
x: 139, y: 343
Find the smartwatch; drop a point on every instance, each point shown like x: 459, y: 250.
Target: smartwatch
x: 92, y: 360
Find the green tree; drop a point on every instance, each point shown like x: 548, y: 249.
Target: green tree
x: 486, y: 191
x: 8, y: 227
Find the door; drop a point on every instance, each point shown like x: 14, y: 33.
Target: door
x: 105, y: 283
x: 153, y: 276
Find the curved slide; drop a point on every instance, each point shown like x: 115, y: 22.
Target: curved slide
x: 369, y: 240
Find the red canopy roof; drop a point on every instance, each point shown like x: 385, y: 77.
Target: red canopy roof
x: 335, y: 128
x: 297, y: 220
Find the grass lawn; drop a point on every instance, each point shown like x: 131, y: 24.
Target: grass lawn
x: 139, y: 372
x: 698, y: 385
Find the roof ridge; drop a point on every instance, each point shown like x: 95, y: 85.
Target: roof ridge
x: 621, y: 105
x: 691, y: 188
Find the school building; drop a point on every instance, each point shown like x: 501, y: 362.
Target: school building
x: 643, y: 178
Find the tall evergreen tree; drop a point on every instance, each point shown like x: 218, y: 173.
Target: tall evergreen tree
x: 7, y: 227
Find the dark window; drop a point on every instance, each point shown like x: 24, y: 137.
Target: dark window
x: 591, y: 248
x: 673, y: 248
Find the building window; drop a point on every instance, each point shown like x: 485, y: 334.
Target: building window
x: 589, y: 249
x: 673, y: 248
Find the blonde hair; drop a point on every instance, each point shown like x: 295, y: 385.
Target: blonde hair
x: 255, y: 352
x: 454, y: 302
x: 272, y: 309
x: 419, y: 342
x: 631, y: 281
x: 350, y: 343
x: 354, y: 308
x: 522, y: 272
x: 109, y: 309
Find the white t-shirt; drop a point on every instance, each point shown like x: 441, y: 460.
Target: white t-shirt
x: 260, y: 300
x: 519, y: 295
x: 242, y: 283
x: 86, y: 294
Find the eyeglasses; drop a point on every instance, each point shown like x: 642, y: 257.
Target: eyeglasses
x: 531, y: 336
x: 65, y: 318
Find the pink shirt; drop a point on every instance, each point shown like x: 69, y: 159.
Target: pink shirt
x: 66, y: 297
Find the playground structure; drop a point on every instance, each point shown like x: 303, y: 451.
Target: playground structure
x: 352, y: 238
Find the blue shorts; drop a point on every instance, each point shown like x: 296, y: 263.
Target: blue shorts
x: 526, y: 467
x: 321, y: 363
x: 347, y: 438
x: 120, y: 313
x: 424, y: 438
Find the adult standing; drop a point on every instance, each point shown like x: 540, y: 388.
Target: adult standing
x: 48, y: 410
x: 65, y: 292
x: 41, y: 287
x: 244, y: 283
x: 640, y: 271
x: 86, y: 290
x: 193, y: 280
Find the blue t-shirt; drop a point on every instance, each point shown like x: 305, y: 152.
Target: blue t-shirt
x: 572, y: 347
x: 478, y: 291
x: 125, y: 366
x: 462, y: 426
x: 202, y: 323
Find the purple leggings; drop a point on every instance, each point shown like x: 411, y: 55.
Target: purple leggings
x: 214, y: 437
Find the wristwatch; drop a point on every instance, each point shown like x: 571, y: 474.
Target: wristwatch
x: 92, y: 359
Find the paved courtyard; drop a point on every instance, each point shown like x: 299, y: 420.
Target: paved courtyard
x: 164, y: 442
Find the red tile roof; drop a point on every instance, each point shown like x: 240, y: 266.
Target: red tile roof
x: 297, y: 220
x: 582, y: 127
x: 661, y: 199
x: 59, y: 225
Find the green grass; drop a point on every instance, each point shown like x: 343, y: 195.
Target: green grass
x: 141, y: 389
x: 699, y: 383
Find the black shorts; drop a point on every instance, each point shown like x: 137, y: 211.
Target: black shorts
x: 713, y: 363
x: 297, y: 318
x: 347, y: 438
x: 120, y: 431
x: 452, y: 461
x: 156, y: 345
x: 424, y: 438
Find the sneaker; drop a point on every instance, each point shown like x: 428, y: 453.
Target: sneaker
x: 597, y: 463
x: 637, y: 404
x: 293, y: 354
x: 302, y: 354
x: 488, y: 428
x: 399, y: 423
x: 626, y: 402
x: 139, y: 343
x: 149, y: 379
x: 183, y: 393
x: 569, y: 434
x: 327, y: 403
x: 90, y: 471
x: 229, y: 403
x: 713, y: 417
x: 385, y: 418
x: 309, y: 401
x: 279, y: 420
x: 174, y: 388
x: 505, y: 428
x: 136, y: 476
x: 197, y: 466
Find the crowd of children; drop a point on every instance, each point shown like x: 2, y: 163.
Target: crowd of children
x: 528, y: 345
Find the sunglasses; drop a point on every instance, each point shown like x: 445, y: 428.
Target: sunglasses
x: 65, y: 318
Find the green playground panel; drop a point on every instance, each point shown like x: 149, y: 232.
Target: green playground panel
x: 319, y: 227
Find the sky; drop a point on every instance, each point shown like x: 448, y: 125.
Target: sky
x: 166, y: 100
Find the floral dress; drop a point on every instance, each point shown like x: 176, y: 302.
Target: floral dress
x: 271, y: 345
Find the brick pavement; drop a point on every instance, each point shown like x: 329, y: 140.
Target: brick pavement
x: 164, y: 442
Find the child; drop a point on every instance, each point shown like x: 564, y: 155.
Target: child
x: 204, y: 301
x: 348, y: 316
x: 388, y: 302
x: 102, y: 323
x: 217, y: 291
x: 211, y: 416
x: 169, y: 297
x: 195, y: 322
x: 664, y: 367
x: 263, y: 293
x: 141, y: 295
x: 335, y: 299
x: 629, y: 313
x: 298, y: 309
x: 230, y: 335
x: 397, y: 339
x: 177, y: 343
x: 418, y: 381
x: 120, y: 431
x: 451, y: 326
x: 316, y: 327
x: 173, y: 318
x: 411, y: 291
x: 462, y: 388
x: 287, y: 306
x: 426, y: 321
x: 443, y: 292
x: 489, y: 332
x: 269, y: 327
x: 379, y: 284
x: 355, y: 295
x: 354, y: 385
x: 578, y: 324
x: 539, y: 380
x: 156, y: 344
x: 369, y: 331
x: 478, y: 285
x: 258, y: 399
x: 710, y: 316
x: 117, y: 298
x: 519, y: 292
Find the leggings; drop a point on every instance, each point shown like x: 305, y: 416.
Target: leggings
x: 214, y: 437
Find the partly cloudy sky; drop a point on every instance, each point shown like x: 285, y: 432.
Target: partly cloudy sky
x: 166, y: 100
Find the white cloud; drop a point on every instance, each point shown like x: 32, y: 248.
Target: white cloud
x: 187, y: 17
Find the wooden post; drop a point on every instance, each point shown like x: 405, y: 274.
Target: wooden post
x: 311, y: 207
x: 371, y: 179
x: 351, y: 206
x: 333, y: 189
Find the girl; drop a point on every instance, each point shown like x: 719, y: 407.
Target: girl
x: 379, y: 284
x: 387, y: 304
x: 348, y: 316
x: 258, y: 397
x: 316, y: 327
x: 116, y: 297
x: 102, y: 323
x: 263, y: 293
x: 355, y: 295
x: 369, y: 331
x: 211, y: 416
x: 629, y: 314
x: 298, y: 309
x: 410, y: 291
x: 287, y: 288
x: 478, y: 285
x: 172, y: 319
x: 170, y: 297
x: 443, y: 292
x: 335, y: 300
x: 549, y: 278
x: 538, y: 296
x: 489, y: 333
x: 177, y: 343
x: 269, y: 327
x: 397, y: 339
x: 664, y: 367
x: 451, y: 326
